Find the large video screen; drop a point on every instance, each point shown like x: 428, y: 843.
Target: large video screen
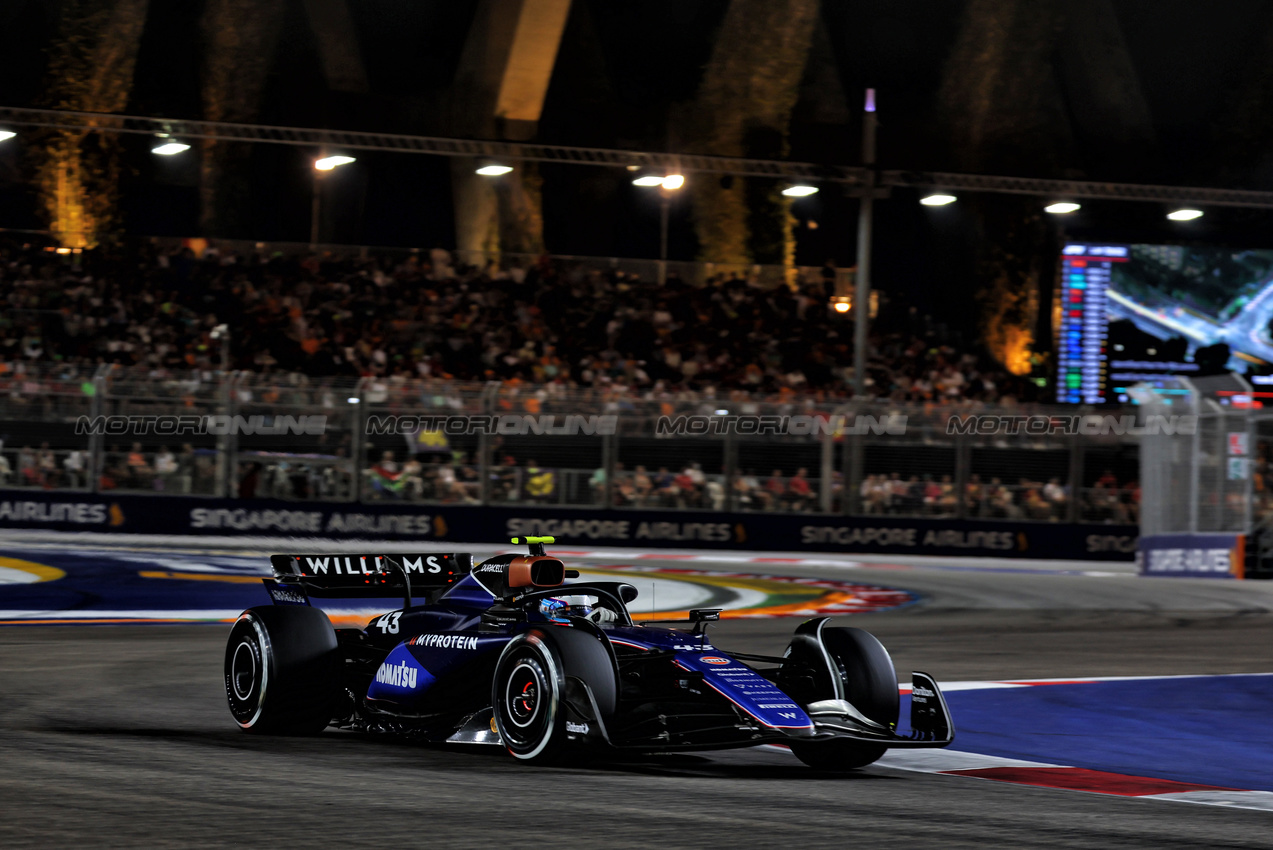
x: 1132, y: 313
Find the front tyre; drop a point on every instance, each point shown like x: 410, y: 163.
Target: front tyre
x: 863, y: 672
x: 282, y: 670
x: 527, y: 702
x: 837, y: 755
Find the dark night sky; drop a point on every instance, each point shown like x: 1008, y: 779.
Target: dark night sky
x: 621, y: 67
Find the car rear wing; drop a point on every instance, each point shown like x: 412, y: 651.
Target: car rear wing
x: 353, y: 576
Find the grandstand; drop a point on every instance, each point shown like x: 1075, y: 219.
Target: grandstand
x: 429, y: 315
x: 352, y: 335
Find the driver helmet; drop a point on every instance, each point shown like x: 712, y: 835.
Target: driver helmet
x: 560, y: 609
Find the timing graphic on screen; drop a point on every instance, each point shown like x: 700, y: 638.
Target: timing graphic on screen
x: 1132, y: 313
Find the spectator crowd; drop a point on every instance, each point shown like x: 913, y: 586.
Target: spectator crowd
x: 311, y: 325
x: 423, y: 315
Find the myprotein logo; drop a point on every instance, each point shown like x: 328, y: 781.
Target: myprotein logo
x: 794, y: 426
x: 216, y: 426
x: 445, y: 641
x: 398, y: 675
x: 1090, y: 425
x: 510, y: 425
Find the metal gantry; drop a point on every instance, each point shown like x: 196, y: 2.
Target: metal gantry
x: 851, y: 176
x: 1076, y: 189
x: 430, y: 145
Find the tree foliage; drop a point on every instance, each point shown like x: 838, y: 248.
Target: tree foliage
x: 239, y: 39
x: 1000, y: 105
x: 743, y: 108
x: 91, y: 64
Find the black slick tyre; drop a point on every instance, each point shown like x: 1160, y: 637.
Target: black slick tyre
x: 282, y: 670
x: 869, y: 679
x: 526, y: 695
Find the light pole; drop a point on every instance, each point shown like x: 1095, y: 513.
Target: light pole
x: 322, y: 165
x: 315, y: 210
x: 862, y: 279
x: 668, y: 185
x: 665, y: 205
x: 855, y: 454
x: 222, y: 333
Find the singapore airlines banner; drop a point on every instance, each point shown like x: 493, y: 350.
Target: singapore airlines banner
x: 188, y: 515
x: 1214, y: 555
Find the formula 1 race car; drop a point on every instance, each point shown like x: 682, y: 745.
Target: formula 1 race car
x: 507, y: 653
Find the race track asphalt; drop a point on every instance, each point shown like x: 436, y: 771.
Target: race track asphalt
x: 119, y: 736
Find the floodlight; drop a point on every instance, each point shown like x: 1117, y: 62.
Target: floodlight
x: 327, y: 163
x: 170, y: 148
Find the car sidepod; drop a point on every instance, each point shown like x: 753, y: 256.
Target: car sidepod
x: 416, y: 670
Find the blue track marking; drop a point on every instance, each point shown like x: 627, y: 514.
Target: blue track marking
x: 1209, y: 729
x: 111, y: 581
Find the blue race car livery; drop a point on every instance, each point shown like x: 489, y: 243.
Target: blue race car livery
x: 512, y: 652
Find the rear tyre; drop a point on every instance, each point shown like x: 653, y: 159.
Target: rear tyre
x: 282, y: 670
x: 526, y: 695
x: 866, y: 671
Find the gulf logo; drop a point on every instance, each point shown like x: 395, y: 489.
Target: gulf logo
x: 713, y: 659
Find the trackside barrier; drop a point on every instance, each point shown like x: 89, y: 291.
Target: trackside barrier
x: 437, y: 524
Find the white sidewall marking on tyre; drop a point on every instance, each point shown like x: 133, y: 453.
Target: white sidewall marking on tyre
x: 551, y: 672
x: 263, y: 641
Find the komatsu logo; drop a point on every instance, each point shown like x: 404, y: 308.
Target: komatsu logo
x: 399, y: 675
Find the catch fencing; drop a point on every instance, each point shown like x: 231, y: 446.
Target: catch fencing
x: 255, y: 436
